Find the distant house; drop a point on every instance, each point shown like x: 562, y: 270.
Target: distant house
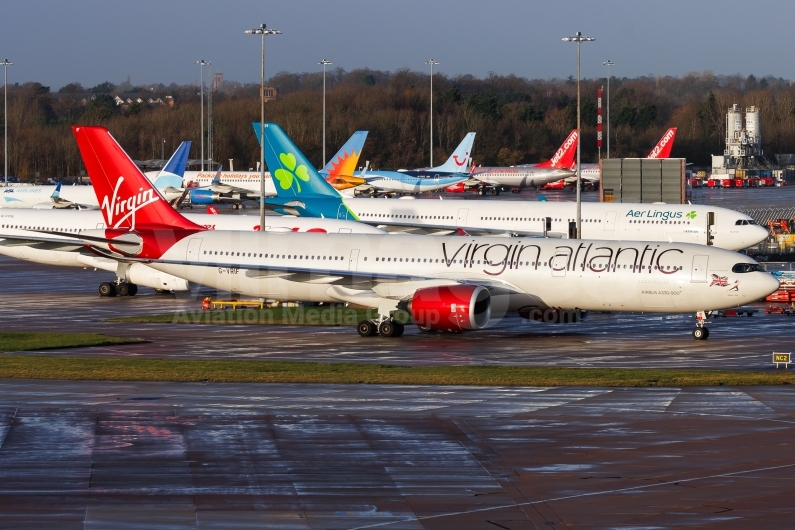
x: 270, y: 92
x: 118, y: 100
x: 170, y: 101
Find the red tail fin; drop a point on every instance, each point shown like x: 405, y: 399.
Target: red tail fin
x: 564, y: 157
x: 126, y: 197
x: 664, y: 146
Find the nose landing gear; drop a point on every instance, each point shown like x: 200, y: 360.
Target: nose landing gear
x: 701, y: 332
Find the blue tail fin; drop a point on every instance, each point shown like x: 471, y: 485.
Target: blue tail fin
x: 56, y: 193
x: 459, y: 160
x: 174, y: 170
x: 298, y: 184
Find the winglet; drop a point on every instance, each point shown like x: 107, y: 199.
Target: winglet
x: 56, y: 193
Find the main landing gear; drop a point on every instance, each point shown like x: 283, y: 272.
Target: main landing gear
x: 701, y: 332
x: 485, y: 190
x: 387, y: 327
x: 118, y: 287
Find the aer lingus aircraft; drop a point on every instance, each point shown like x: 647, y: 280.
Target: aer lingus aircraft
x: 685, y: 223
x: 446, y: 283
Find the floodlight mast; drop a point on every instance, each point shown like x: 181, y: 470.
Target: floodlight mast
x: 324, y: 62
x: 608, y: 63
x: 6, y: 63
x: 202, y: 63
x: 431, y: 62
x: 262, y: 30
x: 578, y: 38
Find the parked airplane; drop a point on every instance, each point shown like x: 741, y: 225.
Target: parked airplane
x: 238, y: 187
x: 686, y: 223
x: 83, y: 197
x: 448, y: 284
x: 518, y: 177
x: 592, y: 173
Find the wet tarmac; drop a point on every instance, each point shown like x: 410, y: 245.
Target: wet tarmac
x: 37, y: 297
x: 115, y: 455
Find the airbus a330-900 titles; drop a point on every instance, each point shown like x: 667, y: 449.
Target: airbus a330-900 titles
x: 446, y: 283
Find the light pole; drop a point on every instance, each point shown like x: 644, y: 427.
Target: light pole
x: 608, y: 63
x: 324, y: 63
x: 163, y: 154
x: 202, y: 63
x: 262, y: 30
x: 431, y: 62
x: 6, y: 63
x: 578, y: 38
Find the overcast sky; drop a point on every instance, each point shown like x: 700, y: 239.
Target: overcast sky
x: 56, y: 42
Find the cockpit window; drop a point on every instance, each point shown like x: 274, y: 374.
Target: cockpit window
x: 745, y: 222
x: 747, y: 267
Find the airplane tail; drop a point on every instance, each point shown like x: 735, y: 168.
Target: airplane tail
x: 458, y: 161
x: 126, y: 197
x: 299, y: 186
x: 564, y: 156
x: 664, y: 146
x: 172, y: 173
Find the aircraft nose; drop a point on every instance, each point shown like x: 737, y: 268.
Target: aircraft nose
x: 764, y: 284
x: 757, y: 235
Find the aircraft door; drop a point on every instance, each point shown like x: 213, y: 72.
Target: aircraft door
x: 194, y: 246
x: 710, y: 228
x: 699, y: 272
x: 610, y: 221
x: 462, y: 217
x: 353, y: 262
x: 559, y: 265
x: 100, y: 226
x: 342, y: 211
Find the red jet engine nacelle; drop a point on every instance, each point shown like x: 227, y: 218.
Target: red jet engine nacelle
x: 451, y: 308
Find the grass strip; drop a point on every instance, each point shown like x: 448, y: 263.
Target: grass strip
x: 29, y: 340
x: 116, y: 369
x: 289, y: 316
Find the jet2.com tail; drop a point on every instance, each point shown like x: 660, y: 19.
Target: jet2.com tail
x: 299, y: 187
x: 664, y: 146
x: 564, y: 156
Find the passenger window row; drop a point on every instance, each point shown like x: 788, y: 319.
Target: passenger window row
x: 271, y: 256
x: 638, y: 221
x: 20, y: 227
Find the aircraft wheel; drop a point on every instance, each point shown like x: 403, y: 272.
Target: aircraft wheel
x: 133, y: 289
x: 123, y: 289
x: 701, y: 333
x: 399, y: 329
x: 366, y: 328
x: 425, y: 329
x: 107, y: 289
x: 387, y: 328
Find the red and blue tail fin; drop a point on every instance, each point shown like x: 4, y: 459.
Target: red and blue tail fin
x: 126, y: 197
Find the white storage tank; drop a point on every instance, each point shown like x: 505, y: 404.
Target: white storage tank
x: 752, y: 125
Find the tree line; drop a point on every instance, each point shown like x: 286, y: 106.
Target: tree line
x: 517, y: 120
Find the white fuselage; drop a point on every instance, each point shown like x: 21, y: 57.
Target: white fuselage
x: 531, y: 273
x: 519, y: 177
x: 249, y: 180
x: 396, y: 181
x: 685, y: 223
x: 40, y: 196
